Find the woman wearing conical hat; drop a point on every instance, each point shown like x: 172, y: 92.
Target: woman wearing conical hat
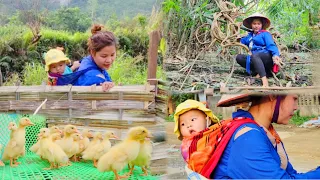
x: 255, y: 150
x: 264, y: 54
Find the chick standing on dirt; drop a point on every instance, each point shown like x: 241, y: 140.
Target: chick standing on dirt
x: 50, y: 150
x: 144, y: 157
x: 121, y: 154
x: 99, y: 149
x: 16, y: 145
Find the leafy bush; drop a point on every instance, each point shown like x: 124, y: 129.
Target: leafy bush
x: 68, y: 19
x: 298, y: 120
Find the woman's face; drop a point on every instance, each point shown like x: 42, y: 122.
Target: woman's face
x: 287, y: 107
x: 256, y: 25
x: 105, y: 57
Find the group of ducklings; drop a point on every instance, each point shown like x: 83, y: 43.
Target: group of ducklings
x: 59, y: 147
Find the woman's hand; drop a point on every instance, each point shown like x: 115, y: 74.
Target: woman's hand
x: 106, y: 86
x: 277, y: 60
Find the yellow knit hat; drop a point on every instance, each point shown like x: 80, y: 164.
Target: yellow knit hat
x: 187, y: 106
x: 54, y: 56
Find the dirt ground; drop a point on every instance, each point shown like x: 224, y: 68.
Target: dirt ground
x: 302, y: 146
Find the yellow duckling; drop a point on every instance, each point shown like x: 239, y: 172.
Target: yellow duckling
x: 99, y: 149
x: 123, y: 153
x: 144, y: 157
x: 16, y: 145
x: 97, y: 138
x: 66, y: 141
x: 50, y: 150
x: 34, y: 148
x: 75, y: 146
x: 84, y: 143
x: 1, y: 163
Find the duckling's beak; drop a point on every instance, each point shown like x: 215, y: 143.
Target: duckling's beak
x: 114, y: 136
x: 149, y: 135
x: 90, y: 135
x: 60, y: 132
x: 9, y: 127
x: 30, y: 123
x: 39, y: 136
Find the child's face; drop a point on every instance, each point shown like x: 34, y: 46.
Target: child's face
x: 105, y: 57
x: 192, y: 122
x: 58, y: 67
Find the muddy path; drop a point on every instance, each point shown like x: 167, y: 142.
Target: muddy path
x: 302, y: 145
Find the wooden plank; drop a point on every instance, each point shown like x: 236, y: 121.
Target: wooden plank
x: 4, y: 106
x: 8, y: 89
x: 58, y: 89
x: 29, y: 89
x: 126, y: 88
x: 153, y: 55
x: 75, y: 104
x: 113, y: 96
x: 7, y: 96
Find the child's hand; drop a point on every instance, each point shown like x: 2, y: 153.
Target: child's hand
x: 75, y: 65
x: 106, y: 86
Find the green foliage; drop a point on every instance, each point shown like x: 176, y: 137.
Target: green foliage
x: 181, y: 97
x: 132, y: 35
x: 69, y: 19
x: 18, y: 56
x: 12, y: 80
x: 181, y: 20
x: 293, y: 19
x: 125, y: 71
x: 298, y: 120
x: 102, y: 10
x: 34, y: 74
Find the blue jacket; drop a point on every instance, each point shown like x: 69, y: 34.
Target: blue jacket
x: 252, y: 156
x: 94, y: 76
x: 262, y: 42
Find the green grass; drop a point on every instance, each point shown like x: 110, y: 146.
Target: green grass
x: 298, y: 120
x: 34, y: 74
x: 125, y: 70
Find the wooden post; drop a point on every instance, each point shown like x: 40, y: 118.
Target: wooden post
x: 1, y: 80
x: 154, y: 40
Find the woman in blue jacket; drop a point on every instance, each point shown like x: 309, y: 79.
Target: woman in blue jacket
x: 93, y: 68
x: 255, y: 151
x: 102, y: 49
x: 263, y: 51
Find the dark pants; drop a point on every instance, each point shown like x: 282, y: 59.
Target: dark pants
x: 261, y: 63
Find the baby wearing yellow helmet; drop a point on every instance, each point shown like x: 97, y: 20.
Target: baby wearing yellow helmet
x: 191, y: 117
x: 56, y: 62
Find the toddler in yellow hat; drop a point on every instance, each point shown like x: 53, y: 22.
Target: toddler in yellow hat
x: 56, y: 62
x: 192, y: 117
x: 192, y: 121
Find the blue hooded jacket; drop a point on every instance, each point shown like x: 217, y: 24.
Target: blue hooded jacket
x: 252, y: 156
x: 262, y: 42
x: 94, y: 75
